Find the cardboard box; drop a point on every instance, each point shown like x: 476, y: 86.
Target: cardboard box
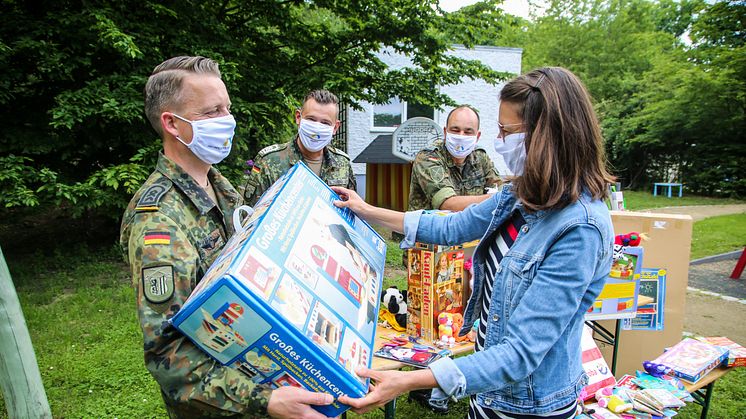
x: 435, y: 284
x: 293, y: 297
x: 667, y: 247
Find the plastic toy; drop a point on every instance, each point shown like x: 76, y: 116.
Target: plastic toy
x: 607, y: 399
x: 445, y: 329
x: 630, y: 239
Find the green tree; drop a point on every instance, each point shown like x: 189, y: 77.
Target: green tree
x: 72, y: 75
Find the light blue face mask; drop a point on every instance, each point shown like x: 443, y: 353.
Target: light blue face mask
x: 212, y: 138
x: 513, y: 150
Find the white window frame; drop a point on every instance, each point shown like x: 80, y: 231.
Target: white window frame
x: 404, y: 117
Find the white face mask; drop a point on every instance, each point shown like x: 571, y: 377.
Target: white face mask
x: 460, y: 146
x: 314, y: 135
x: 513, y: 150
x: 211, y: 138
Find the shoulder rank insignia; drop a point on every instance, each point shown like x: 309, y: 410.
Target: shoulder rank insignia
x: 339, y: 152
x: 435, y: 159
x: 271, y: 149
x: 150, y: 199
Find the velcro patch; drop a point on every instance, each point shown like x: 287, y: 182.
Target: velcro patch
x: 150, y: 199
x: 158, y: 283
x: 157, y: 237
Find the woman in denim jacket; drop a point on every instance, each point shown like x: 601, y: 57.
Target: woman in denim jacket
x: 546, y: 249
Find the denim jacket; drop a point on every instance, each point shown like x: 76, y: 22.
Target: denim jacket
x: 531, y: 362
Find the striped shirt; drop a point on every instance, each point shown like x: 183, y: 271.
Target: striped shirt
x: 500, y: 242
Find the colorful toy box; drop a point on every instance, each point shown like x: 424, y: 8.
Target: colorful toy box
x: 293, y: 297
x: 691, y: 359
x: 618, y: 298
x: 435, y: 277
x: 736, y: 352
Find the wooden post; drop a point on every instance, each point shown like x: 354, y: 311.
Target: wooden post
x: 19, y: 374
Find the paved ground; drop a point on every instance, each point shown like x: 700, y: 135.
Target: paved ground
x: 715, y: 277
x: 715, y: 304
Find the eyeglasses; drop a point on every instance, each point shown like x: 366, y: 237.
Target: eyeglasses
x: 503, y: 132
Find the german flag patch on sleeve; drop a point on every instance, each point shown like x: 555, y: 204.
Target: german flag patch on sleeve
x: 157, y: 237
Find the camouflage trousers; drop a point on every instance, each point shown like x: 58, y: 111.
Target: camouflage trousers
x: 198, y: 410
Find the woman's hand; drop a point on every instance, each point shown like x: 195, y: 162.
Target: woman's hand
x: 392, y: 220
x: 351, y: 200
x: 386, y: 386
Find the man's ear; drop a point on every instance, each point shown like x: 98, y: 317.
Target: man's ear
x: 168, y: 123
x: 336, y: 127
x: 297, y: 117
x: 479, y: 134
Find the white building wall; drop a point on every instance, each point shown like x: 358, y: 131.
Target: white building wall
x: 479, y: 94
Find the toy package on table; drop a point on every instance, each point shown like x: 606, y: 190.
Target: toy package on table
x: 435, y: 285
x: 293, y: 297
x: 736, y: 352
x: 691, y: 359
x: 618, y: 298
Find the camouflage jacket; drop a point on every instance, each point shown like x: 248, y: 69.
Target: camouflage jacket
x: 171, y: 233
x: 273, y: 161
x: 435, y: 177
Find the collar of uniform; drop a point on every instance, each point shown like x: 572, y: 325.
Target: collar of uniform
x: 296, y: 149
x: 186, y: 183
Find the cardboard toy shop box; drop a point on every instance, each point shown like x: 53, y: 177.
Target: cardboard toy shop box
x: 293, y: 297
x: 437, y: 283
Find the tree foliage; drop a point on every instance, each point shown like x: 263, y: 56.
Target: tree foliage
x: 72, y: 75
x: 668, y: 78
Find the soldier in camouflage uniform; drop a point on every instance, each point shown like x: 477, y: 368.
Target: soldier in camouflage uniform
x: 453, y: 174
x: 317, y: 123
x: 174, y: 228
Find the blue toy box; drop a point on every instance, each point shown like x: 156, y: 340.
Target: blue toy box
x: 293, y: 297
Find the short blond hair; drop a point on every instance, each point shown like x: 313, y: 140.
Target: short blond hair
x: 163, y: 88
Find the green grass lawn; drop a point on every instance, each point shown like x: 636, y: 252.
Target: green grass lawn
x: 716, y: 235
x: 641, y: 200
x: 80, y: 311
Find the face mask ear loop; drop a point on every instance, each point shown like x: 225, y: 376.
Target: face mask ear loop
x: 188, y: 122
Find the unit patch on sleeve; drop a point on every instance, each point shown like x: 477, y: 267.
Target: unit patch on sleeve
x: 158, y: 283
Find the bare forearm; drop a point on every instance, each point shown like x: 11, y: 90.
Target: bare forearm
x: 420, y: 379
x: 459, y: 203
x: 392, y: 220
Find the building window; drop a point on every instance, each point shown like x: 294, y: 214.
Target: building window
x: 389, y: 116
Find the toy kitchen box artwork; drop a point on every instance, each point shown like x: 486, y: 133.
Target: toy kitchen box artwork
x: 293, y: 297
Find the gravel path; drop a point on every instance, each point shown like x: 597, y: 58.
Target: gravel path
x: 699, y: 212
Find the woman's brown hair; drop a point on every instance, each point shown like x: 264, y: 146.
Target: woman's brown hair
x: 564, y: 147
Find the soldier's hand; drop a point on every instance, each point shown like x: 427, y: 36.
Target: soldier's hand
x: 293, y: 402
x: 350, y: 199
